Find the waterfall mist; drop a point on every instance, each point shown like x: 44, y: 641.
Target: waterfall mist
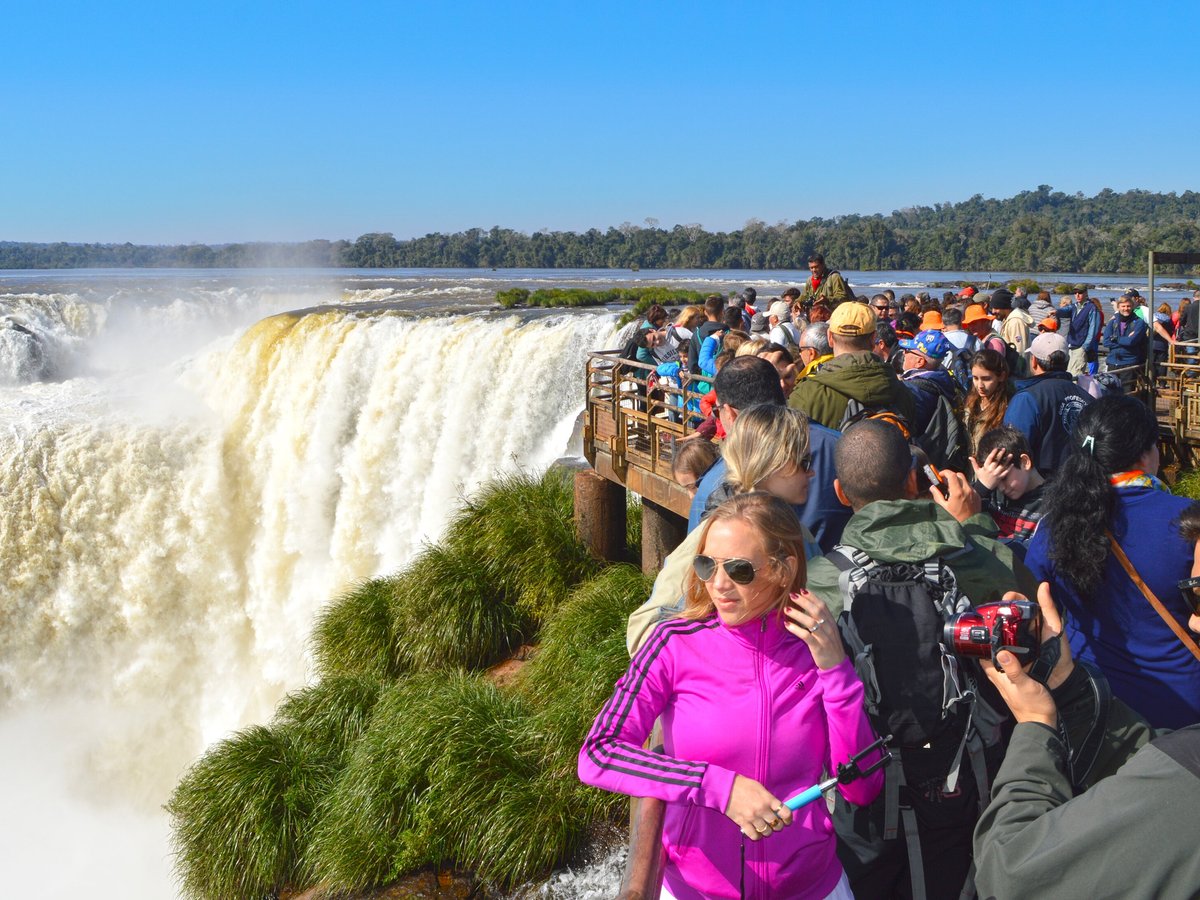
x: 195, y: 479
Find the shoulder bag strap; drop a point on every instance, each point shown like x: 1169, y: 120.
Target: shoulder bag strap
x: 1174, y: 625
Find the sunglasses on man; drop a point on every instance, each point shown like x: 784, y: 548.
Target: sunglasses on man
x: 1187, y: 590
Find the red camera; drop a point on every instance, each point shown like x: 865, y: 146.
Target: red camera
x: 1013, y: 625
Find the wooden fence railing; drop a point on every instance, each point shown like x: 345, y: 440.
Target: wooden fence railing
x: 633, y: 423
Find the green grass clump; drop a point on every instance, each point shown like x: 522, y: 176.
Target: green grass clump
x: 1031, y: 286
x: 633, y: 529
x: 450, y: 612
x: 353, y: 635
x: 582, y: 654
x: 451, y: 772
x: 512, y: 297
x: 331, y: 715
x: 239, y: 814
x: 441, y: 750
x: 399, y: 758
x: 520, y: 531
x: 640, y: 297
x: 1188, y: 484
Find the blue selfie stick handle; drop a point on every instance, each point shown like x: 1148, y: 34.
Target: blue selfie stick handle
x: 804, y: 798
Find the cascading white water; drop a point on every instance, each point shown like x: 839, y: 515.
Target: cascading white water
x: 169, y: 532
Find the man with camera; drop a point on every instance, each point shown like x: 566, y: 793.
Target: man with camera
x: 888, y: 581
x: 1130, y: 835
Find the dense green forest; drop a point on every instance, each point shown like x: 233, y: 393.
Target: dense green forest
x: 1036, y: 231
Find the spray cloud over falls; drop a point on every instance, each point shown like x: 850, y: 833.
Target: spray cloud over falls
x: 165, y: 566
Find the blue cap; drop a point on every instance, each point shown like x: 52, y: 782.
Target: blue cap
x: 931, y: 344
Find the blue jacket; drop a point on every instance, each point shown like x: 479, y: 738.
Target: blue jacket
x: 1084, y: 330
x: 1128, y: 349
x: 709, y: 350
x: 822, y: 513
x: 1116, y: 627
x: 1045, y: 409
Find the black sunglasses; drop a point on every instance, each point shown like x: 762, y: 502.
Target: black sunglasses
x: 1187, y: 589
x: 740, y: 571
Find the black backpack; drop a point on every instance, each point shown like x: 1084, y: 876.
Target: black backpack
x: 916, y: 689
x: 857, y: 412
x: 945, y: 440
x: 958, y: 364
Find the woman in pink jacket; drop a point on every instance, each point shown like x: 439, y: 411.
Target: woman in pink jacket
x: 757, y: 700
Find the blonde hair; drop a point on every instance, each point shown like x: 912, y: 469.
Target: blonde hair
x: 689, y: 317
x: 763, y: 440
x: 778, y: 531
x: 751, y: 347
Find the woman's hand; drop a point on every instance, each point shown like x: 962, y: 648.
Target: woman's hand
x: 755, y: 810
x: 810, y: 620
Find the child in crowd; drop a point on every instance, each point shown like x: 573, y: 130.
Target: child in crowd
x: 1008, y: 482
x: 693, y: 458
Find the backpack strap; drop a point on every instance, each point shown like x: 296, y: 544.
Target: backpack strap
x: 894, y: 814
x: 855, y: 567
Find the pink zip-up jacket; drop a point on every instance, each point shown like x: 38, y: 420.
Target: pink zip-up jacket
x: 742, y: 700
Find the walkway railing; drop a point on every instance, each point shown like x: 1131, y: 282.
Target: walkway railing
x: 633, y: 424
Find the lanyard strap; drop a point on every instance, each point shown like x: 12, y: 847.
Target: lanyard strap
x: 1171, y: 621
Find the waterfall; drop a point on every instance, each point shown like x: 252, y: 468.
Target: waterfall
x: 177, y: 508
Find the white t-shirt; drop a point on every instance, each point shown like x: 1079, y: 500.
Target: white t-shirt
x: 785, y: 333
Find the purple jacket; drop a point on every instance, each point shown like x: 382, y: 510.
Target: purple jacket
x: 745, y: 700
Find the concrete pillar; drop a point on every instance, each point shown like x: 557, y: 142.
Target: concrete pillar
x: 662, y: 532
x: 600, y: 514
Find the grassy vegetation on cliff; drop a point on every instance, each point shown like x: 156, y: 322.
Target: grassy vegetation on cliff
x: 574, y: 297
x: 404, y: 754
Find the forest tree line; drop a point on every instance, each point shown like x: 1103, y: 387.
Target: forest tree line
x: 1042, y: 230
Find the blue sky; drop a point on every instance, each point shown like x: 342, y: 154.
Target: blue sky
x: 215, y: 122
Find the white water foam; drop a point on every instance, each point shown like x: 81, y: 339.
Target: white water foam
x: 169, y: 534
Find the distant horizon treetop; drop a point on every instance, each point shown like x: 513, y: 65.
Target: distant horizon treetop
x: 1042, y: 230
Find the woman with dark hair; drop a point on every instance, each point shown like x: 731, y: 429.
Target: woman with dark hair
x: 656, y: 317
x: 991, y: 389
x: 1106, y: 501
x: 757, y: 699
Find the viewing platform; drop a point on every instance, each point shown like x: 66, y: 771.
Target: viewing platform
x: 633, y: 425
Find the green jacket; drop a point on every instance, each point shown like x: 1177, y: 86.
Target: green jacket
x: 913, y: 531
x: 1131, y: 835
x: 833, y: 289
x: 862, y: 376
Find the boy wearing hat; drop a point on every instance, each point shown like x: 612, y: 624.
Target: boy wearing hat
x: 854, y: 374
x: 926, y: 377
x: 979, y: 323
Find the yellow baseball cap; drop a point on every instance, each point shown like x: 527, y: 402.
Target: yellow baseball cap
x: 852, y: 319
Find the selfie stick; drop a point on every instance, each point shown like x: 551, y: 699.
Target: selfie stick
x: 846, y: 773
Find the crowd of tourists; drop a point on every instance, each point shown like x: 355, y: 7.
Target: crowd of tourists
x: 936, y: 522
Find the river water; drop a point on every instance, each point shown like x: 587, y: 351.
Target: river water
x: 194, y: 462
